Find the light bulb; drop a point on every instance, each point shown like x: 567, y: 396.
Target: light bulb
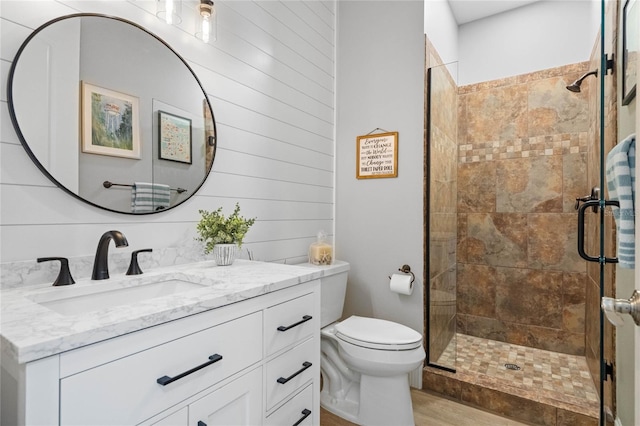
x: 205, y: 22
x: 206, y: 25
x: 169, y: 11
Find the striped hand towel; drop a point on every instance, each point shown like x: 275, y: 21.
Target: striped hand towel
x: 149, y: 197
x: 621, y: 180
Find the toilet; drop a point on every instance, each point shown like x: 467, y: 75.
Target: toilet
x: 365, y: 362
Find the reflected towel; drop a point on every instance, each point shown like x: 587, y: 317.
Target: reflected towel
x: 149, y: 197
x: 621, y: 180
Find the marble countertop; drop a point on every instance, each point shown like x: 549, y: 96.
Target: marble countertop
x: 30, y: 331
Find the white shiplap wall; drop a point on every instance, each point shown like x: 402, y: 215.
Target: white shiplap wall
x: 270, y: 80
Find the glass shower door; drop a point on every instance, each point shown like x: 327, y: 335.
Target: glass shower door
x: 441, y: 221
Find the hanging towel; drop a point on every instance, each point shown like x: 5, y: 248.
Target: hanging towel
x: 149, y: 197
x: 621, y: 180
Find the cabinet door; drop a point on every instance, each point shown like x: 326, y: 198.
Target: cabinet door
x: 131, y: 389
x: 237, y: 403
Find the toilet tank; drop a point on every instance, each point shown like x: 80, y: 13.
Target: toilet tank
x: 333, y: 286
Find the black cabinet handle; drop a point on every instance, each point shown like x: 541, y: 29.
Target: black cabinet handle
x: 165, y: 380
x: 581, y: 211
x: 305, y: 414
x: 305, y: 365
x: 304, y: 319
x: 201, y: 423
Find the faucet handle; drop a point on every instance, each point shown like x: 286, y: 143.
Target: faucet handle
x: 64, y: 276
x: 134, y: 268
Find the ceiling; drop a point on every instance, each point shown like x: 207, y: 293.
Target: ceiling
x: 469, y: 10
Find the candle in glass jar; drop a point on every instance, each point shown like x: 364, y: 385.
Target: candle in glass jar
x: 320, y: 253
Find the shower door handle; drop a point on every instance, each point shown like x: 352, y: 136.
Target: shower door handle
x: 581, y: 211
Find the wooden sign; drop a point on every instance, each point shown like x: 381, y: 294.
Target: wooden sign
x: 377, y: 156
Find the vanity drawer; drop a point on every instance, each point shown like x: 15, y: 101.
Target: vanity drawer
x: 287, y: 372
x: 130, y: 389
x: 296, y: 411
x: 290, y: 322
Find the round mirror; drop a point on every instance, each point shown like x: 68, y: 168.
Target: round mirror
x: 111, y: 114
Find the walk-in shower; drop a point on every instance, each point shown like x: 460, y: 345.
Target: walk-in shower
x: 506, y: 302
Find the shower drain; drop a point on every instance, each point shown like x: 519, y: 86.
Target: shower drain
x: 512, y: 367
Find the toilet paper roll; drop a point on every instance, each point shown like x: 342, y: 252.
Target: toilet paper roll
x: 401, y: 284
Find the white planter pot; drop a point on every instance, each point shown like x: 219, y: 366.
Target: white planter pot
x: 225, y: 254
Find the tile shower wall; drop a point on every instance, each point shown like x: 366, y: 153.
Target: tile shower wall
x: 521, y: 163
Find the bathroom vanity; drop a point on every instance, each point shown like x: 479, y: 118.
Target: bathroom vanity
x: 201, y: 345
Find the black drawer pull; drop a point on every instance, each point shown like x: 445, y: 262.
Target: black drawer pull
x: 305, y: 414
x: 304, y: 319
x: 305, y: 365
x: 165, y: 380
x: 201, y: 423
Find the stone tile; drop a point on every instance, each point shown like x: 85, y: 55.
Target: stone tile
x: 477, y: 187
x: 526, y: 185
x: 549, y: 339
x: 509, y: 405
x: 476, y: 290
x: 444, y: 96
x: 497, y: 113
x: 574, y: 180
x: 441, y: 384
x: 461, y: 248
x: 497, y: 239
x: 569, y: 418
x: 553, y: 109
x: 486, y: 328
x: 552, y: 242
x: 528, y: 296
x: 573, y: 299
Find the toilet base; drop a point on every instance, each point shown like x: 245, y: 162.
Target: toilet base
x: 374, y: 401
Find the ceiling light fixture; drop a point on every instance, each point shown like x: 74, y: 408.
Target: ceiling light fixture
x: 206, y: 25
x: 170, y: 11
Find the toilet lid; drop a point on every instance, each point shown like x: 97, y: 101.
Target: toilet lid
x: 377, y: 334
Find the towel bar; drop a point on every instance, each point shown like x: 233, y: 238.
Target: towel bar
x: 108, y: 184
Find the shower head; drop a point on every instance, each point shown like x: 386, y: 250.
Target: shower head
x: 575, y: 86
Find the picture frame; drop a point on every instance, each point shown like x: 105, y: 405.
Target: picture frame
x: 377, y: 155
x: 174, y: 138
x: 630, y: 41
x: 110, y: 122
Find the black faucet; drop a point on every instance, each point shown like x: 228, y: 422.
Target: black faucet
x: 100, y: 264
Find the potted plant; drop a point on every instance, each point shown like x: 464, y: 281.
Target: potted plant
x: 223, y: 235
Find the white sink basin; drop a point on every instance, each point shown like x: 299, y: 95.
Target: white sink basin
x: 70, y: 301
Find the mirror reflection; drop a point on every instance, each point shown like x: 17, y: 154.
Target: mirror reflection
x: 111, y: 114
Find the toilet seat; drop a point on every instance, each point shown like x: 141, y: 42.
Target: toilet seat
x: 377, y: 334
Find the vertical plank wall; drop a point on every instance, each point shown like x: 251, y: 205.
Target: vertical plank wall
x: 270, y: 79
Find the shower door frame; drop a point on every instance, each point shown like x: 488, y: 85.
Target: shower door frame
x: 427, y: 228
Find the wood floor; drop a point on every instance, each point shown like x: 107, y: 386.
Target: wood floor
x: 433, y: 410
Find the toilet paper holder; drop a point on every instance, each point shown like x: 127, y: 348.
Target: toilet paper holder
x: 407, y: 270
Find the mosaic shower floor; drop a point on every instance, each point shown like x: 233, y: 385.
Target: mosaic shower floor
x: 552, y: 378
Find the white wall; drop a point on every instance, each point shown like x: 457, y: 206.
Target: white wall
x: 379, y: 222
x: 270, y: 79
x: 534, y: 37
x: 442, y: 29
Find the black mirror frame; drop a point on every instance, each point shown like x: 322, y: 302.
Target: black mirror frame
x: 16, y: 126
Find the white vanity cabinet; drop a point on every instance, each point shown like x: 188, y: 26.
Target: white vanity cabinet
x: 252, y: 362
